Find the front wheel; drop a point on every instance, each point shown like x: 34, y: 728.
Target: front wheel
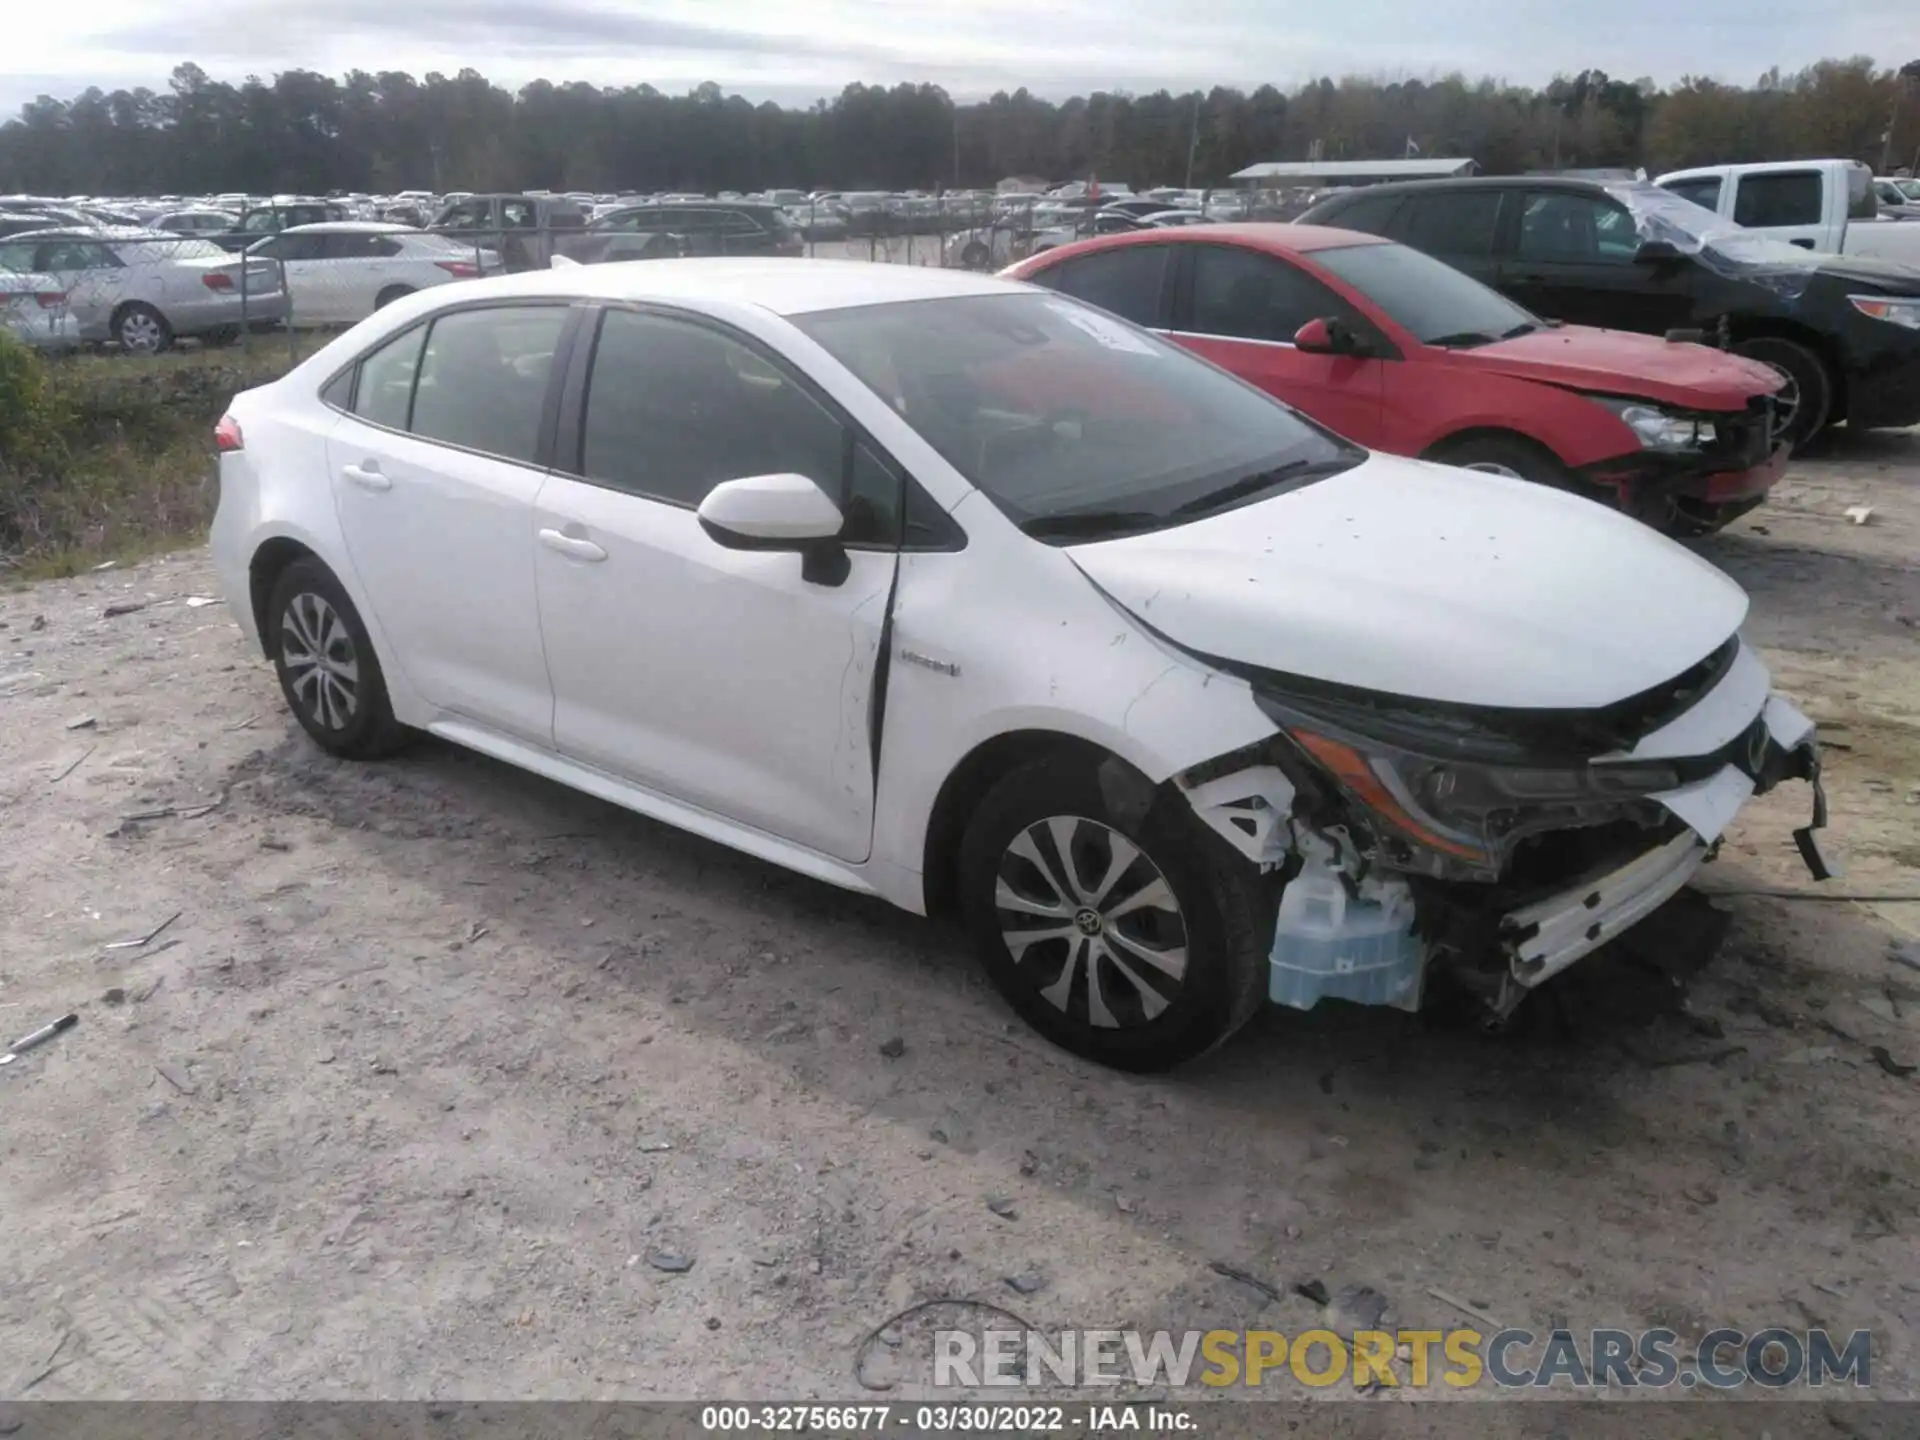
x: 1804, y: 401
x: 392, y: 293
x: 140, y: 329
x: 1137, y: 940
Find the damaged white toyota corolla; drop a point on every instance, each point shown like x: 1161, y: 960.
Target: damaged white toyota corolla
x: 966, y: 595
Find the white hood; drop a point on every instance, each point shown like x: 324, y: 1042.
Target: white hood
x: 1430, y: 582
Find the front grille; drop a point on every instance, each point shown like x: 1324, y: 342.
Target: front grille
x: 1745, y: 440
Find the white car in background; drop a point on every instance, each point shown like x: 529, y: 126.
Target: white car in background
x: 341, y: 271
x: 962, y: 593
x: 141, y: 289
x: 194, y: 222
x: 34, y: 310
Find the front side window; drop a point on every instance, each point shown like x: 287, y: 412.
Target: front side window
x: 1074, y: 423
x: 1433, y: 301
x: 674, y: 408
x: 483, y: 378
x: 1126, y: 280
x: 1245, y: 295
x: 1373, y: 214
x: 1570, y: 228
x: 1789, y: 197
x: 1457, y: 222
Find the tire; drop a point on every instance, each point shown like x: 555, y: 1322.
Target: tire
x: 1809, y: 385
x: 342, y: 701
x: 1501, y: 455
x: 1068, y: 985
x: 139, y: 329
x: 219, y: 338
x: 976, y: 256
x: 392, y: 293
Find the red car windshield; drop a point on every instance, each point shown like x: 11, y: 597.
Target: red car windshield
x: 1434, y: 301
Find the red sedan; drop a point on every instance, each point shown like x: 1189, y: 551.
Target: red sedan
x: 1399, y: 352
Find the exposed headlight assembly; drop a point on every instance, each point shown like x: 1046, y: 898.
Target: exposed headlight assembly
x: 1451, y: 786
x: 1657, y: 429
x: 1894, y: 310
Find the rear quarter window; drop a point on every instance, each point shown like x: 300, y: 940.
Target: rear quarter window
x: 1787, y: 197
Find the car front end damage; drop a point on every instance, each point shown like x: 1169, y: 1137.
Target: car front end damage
x: 1701, y: 469
x: 1502, y: 846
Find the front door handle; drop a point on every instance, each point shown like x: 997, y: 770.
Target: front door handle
x: 576, y: 547
x: 367, y: 476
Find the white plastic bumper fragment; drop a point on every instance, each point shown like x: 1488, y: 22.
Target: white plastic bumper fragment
x: 1553, y: 933
x: 1250, y: 810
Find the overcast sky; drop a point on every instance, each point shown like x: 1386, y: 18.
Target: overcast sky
x: 795, y: 50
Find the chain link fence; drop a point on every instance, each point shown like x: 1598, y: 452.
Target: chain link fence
x: 144, y: 292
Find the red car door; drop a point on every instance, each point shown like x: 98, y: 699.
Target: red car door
x: 1240, y: 307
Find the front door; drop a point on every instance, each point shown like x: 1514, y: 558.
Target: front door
x: 725, y: 679
x: 434, y: 477
x: 1240, y: 308
x: 1573, y: 259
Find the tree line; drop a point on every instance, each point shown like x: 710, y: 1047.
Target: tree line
x: 386, y: 131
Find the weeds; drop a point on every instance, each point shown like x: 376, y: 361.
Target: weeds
x: 107, y: 456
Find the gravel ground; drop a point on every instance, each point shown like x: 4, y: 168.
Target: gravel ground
x: 448, y: 1082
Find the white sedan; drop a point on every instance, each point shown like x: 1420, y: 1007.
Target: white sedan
x: 340, y: 271
x: 960, y: 593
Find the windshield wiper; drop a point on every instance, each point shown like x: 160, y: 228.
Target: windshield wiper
x: 1525, y: 327
x: 1090, y: 523
x: 1464, y: 340
x: 1293, y: 471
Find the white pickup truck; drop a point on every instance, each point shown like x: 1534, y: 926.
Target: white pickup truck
x: 1823, y: 205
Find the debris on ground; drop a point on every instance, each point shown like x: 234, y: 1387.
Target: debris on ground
x: 177, y: 1078
x: 124, y: 607
x: 670, y: 1263
x: 1859, y: 514
x: 1244, y: 1277
x: 1003, y: 1207
x: 142, y: 941
x: 1028, y: 1284
x: 1353, y: 1308
x: 893, y: 1049
x: 1884, y: 1059
x: 38, y: 1037
x: 83, y: 722
x: 1465, y: 1307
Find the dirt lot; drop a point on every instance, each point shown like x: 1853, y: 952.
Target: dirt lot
x: 439, y: 1061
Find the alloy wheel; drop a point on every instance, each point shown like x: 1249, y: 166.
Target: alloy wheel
x: 323, y: 669
x: 141, y: 332
x: 1786, y: 401
x: 1091, y: 920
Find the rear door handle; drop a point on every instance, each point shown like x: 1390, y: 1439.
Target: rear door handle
x: 367, y: 476
x: 574, y: 546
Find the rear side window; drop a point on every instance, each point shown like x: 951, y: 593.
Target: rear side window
x: 385, y: 390
x: 1862, y: 202
x: 1127, y: 280
x: 1250, y: 296
x: 1373, y: 214
x: 1790, y: 197
x: 1458, y: 222
x: 483, y: 379
x: 1704, y: 191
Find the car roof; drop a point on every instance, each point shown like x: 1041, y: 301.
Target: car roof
x: 1277, y: 236
x: 784, y: 287
x: 1469, y: 182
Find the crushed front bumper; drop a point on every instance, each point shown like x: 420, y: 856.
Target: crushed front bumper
x: 1541, y: 939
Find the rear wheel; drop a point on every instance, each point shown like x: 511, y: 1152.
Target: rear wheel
x: 1804, y: 402
x: 975, y: 256
x: 328, y: 672
x: 139, y: 329
x: 1137, y: 940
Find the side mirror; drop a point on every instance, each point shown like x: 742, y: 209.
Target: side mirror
x: 1326, y: 337
x: 1653, y: 252
x: 779, y: 512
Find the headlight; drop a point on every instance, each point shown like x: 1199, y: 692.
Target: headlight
x: 1460, y: 788
x: 1893, y: 311
x: 1655, y: 428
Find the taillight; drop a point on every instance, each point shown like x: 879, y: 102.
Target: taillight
x: 459, y: 269
x: 51, y: 299
x: 227, y: 437
x: 217, y: 280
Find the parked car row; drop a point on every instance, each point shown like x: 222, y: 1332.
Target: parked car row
x: 1180, y: 700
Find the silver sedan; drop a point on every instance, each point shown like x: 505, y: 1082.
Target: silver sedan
x: 140, y: 289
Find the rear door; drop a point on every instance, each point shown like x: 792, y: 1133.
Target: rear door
x: 1573, y: 259
x: 312, y: 279
x: 1457, y: 226
x: 1241, y: 307
x: 434, y: 475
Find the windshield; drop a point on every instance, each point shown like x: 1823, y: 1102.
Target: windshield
x: 1908, y: 188
x: 1074, y: 423
x: 1694, y: 229
x: 1439, y: 304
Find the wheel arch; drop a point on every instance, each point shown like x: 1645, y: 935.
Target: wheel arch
x: 1779, y: 327
x: 1458, y: 439
x: 978, y: 771
x: 269, y: 561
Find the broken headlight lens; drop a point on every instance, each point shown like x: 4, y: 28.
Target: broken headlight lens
x: 1460, y: 787
x: 1658, y: 429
